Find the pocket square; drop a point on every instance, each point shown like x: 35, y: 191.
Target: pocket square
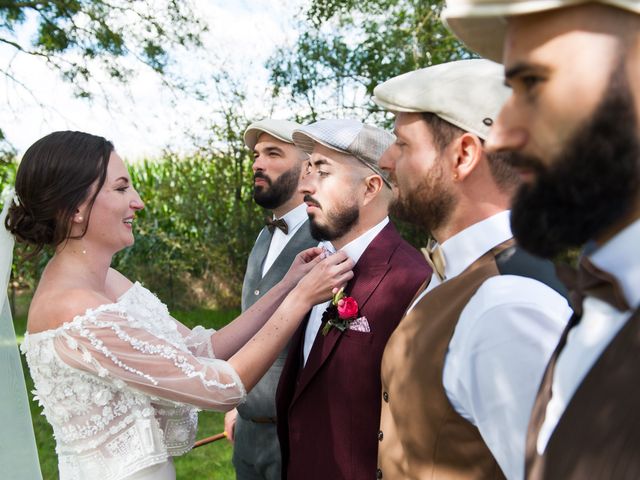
x: 360, y: 325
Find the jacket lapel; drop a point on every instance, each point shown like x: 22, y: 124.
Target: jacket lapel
x: 367, y: 275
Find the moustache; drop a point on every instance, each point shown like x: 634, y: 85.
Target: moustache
x: 525, y: 162
x: 261, y: 175
x: 309, y: 200
x: 392, y: 179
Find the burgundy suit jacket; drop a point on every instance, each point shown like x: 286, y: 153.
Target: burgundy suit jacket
x: 329, y: 411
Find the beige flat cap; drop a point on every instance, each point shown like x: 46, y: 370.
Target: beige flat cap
x: 481, y: 24
x: 466, y: 93
x: 280, y: 129
x: 364, y: 142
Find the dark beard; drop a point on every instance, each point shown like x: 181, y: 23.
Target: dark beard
x: 339, y: 221
x: 278, y: 192
x: 429, y: 205
x: 590, y: 187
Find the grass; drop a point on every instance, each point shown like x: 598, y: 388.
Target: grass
x: 210, y: 462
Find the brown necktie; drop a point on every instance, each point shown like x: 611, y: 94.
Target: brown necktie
x: 435, y: 258
x: 590, y: 281
x: 273, y: 223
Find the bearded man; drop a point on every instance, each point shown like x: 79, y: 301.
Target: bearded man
x: 277, y: 167
x: 460, y: 372
x: 572, y: 119
x: 328, y: 399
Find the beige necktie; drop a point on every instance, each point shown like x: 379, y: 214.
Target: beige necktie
x: 435, y: 258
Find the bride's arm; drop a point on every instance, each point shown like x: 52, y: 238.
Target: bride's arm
x: 109, y: 344
x: 228, y: 340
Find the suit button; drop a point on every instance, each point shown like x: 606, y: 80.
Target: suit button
x: 380, y: 435
x: 385, y: 397
x: 378, y: 473
x: 256, y: 292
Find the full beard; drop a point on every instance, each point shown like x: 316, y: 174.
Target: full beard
x: 339, y: 221
x: 428, y: 205
x: 591, y: 186
x: 279, y: 191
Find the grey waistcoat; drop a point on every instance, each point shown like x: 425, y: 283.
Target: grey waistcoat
x: 261, y: 400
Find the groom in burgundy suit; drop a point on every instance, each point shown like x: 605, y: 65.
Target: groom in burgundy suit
x: 328, y: 398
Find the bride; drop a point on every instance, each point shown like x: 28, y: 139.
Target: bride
x: 119, y: 379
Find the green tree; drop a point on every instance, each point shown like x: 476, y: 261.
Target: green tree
x: 79, y: 38
x: 76, y: 36
x: 346, y: 48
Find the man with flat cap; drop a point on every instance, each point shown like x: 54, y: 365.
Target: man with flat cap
x: 572, y: 119
x: 277, y: 167
x: 460, y: 373
x: 328, y: 399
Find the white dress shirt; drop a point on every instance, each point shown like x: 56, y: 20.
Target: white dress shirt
x: 294, y: 218
x: 500, y: 346
x: 354, y: 250
x: 599, y: 325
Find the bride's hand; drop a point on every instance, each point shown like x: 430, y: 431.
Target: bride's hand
x: 326, y: 276
x: 302, y: 264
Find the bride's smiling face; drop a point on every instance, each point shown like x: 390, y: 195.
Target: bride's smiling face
x: 113, y: 213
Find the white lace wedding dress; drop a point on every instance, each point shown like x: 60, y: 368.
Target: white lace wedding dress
x: 121, y: 386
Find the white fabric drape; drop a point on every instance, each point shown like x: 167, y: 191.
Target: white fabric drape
x: 18, y: 452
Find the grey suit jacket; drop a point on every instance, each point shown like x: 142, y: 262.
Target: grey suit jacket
x: 261, y: 400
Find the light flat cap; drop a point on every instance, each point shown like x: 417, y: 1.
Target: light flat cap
x: 466, y: 93
x: 364, y: 142
x: 482, y: 24
x: 280, y: 129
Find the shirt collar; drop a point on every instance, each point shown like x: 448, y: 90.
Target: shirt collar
x: 465, y: 247
x: 619, y: 257
x: 355, y: 248
x: 295, y: 217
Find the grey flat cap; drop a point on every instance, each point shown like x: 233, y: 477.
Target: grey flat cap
x: 280, y: 129
x: 364, y: 142
x: 466, y: 93
x: 482, y: 24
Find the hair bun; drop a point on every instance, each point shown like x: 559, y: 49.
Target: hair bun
x: 26, y: 228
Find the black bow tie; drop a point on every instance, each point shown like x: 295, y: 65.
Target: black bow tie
x: 590, y: 281
x: 280, y: 223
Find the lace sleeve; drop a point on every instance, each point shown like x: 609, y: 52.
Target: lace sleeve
x: 106, y: 343
x: 199, y: 341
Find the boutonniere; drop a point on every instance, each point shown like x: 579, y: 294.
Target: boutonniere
x: 340, y: 313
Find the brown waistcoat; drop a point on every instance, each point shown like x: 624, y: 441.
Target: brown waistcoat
x: 421, y: 435
x: 598, y: 435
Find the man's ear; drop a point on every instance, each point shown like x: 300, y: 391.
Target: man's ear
x: 374, y: 184
x: 467, y: 154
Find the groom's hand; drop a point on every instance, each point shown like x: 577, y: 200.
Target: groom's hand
x: 230, y: 424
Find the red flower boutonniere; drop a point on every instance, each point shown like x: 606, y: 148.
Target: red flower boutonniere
x: 340, y: 313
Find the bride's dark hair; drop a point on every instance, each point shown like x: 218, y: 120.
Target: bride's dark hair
x: 55, y: 176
